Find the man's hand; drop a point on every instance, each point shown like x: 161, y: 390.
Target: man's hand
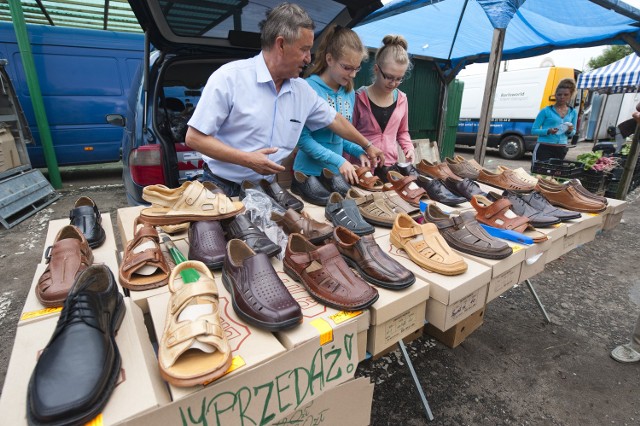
x: 364, y: 161
x: 259, y: 162
x: 410, y: 156
x: 375, y: 154
x: 349, y: 172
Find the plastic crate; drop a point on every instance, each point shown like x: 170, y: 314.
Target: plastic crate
x: 595, y: 182
x: 558, y: 168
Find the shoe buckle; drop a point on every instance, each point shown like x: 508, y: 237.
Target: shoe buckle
x: 47, y: 253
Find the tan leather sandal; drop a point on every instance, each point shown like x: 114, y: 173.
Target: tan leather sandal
x: 144, y: 266
x: 425, y: 246
x: 371, y: 182
x: 193, y: 349
x: 190, y: 202
x: 499, y: 215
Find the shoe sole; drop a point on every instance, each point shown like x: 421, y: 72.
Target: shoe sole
x: 269, y: 326
x: 289, y: 271
x: 397, y: 286
x: 99, y: 241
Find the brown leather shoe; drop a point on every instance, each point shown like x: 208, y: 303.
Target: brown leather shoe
x: 301, y: 223
x: 569, y: 198
x: 407, y: 188
x: 505, y: 180
x: 465, y: 234
x: 67, y: 257
x: 437, y: 171
x: 258, y: 295
x: 554, y: 186
x: 326, y: 275
x: 374, y: 265
x: 473, y: 163
x: 462, y: 169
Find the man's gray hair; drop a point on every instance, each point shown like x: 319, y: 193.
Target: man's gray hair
x: 284, y: 20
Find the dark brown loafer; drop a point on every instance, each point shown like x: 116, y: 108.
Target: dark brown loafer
x: 207, y: 243
x: 294, y: 222
x: 243, y: 229
x: 326, y: 275
x: 258, y: 295
x: 465, y: 234
x: 67, y: 257
x: 374, y: 265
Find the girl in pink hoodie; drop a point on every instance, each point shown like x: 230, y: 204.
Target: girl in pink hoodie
x: 381, y: 111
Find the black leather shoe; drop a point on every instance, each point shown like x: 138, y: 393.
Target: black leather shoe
x: 78, y: 369
x: 86, y: 216
x: 405, y: 169
x: 465, y: 188
x: 536, y: 217
x: 381, y: 172
x: 257, y: 191
x: 207, y: 243
x: 310, y: 189
x: 243, y: 229
x: 334, y: 182
x: 537, y: 201
x: 345, y: 213
x: 438, y: 192
x: 281, y: 196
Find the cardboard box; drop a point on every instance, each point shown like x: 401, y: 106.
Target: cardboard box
x: 444, y: 316
x: 586, y: 221
x: 504, y: 272
x: 396, y: 314
x: 33, y: 310
x: 9, y: 157
x: 532, y: 266
x: 250, y: 346
x: 557, y: 233
x: 103, y: 254
x: 139, y: 380
x: 611, y: 221
x: 459, y: 332
x: 319, y: 321
x: 589, y: 234
x: 269, y: 390
x: 346, y: 404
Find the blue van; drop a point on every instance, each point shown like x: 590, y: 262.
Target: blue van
x: 84, y: 76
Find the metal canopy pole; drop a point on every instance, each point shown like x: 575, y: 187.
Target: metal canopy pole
x: 489, y: 90
x: 537, y: 299
x: 629, y: 166
x: 425, y: 403
x: 34, y: 91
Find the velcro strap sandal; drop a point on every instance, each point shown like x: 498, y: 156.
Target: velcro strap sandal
x: 345, y: 213
x: 499, y: 215
x: 407, y: 188
x: 366, y: 180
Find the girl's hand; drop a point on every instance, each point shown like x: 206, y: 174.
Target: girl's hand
x: 410, y: 156
x: 349, y: 172
x: 552, y: 131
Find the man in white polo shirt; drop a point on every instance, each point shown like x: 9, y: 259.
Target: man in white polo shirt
x: 251, y: 112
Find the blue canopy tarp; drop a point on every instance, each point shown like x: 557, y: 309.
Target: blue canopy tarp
x: 620, y: 74
x: 458, y: 32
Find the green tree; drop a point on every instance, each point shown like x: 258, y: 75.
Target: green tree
x: 609, y: 56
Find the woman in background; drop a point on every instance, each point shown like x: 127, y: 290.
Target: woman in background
x: 555, y: 124
x: 381, y: 112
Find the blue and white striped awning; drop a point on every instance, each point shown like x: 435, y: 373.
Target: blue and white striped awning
x: 622, y: 73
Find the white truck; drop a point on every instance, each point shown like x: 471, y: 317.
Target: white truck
x: 519, y: 97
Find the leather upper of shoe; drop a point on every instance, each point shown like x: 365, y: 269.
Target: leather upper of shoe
x: 207, y: 243
x: 293, y: 222
x: 326, y: 275
x: 462, y: 169
x: 371, y: 259
x: 69, y: 255
x: 465, y: 187
x: 282, y: 196
x: 537, y: 201
x: 243, y: 229
x: 438, y: 192
x: 536, y: 217
x: 86, y: 217
x: 437, y: 171
x: 334, y: 182
x: 405, y: 169
x: 247, y: 185
x: 505, y: 180
x: 464, y: 233
x: 80, y: 364
x: 310, y: 189
x: 568, y: 197
x: 345, y: 213
x: 258, y: 291
x: 584, y: 191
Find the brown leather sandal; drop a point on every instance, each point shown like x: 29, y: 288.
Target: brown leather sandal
x: 144, y: 266
x: 499, y: 215
x: 370, y: 183
x: 402, y: 185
